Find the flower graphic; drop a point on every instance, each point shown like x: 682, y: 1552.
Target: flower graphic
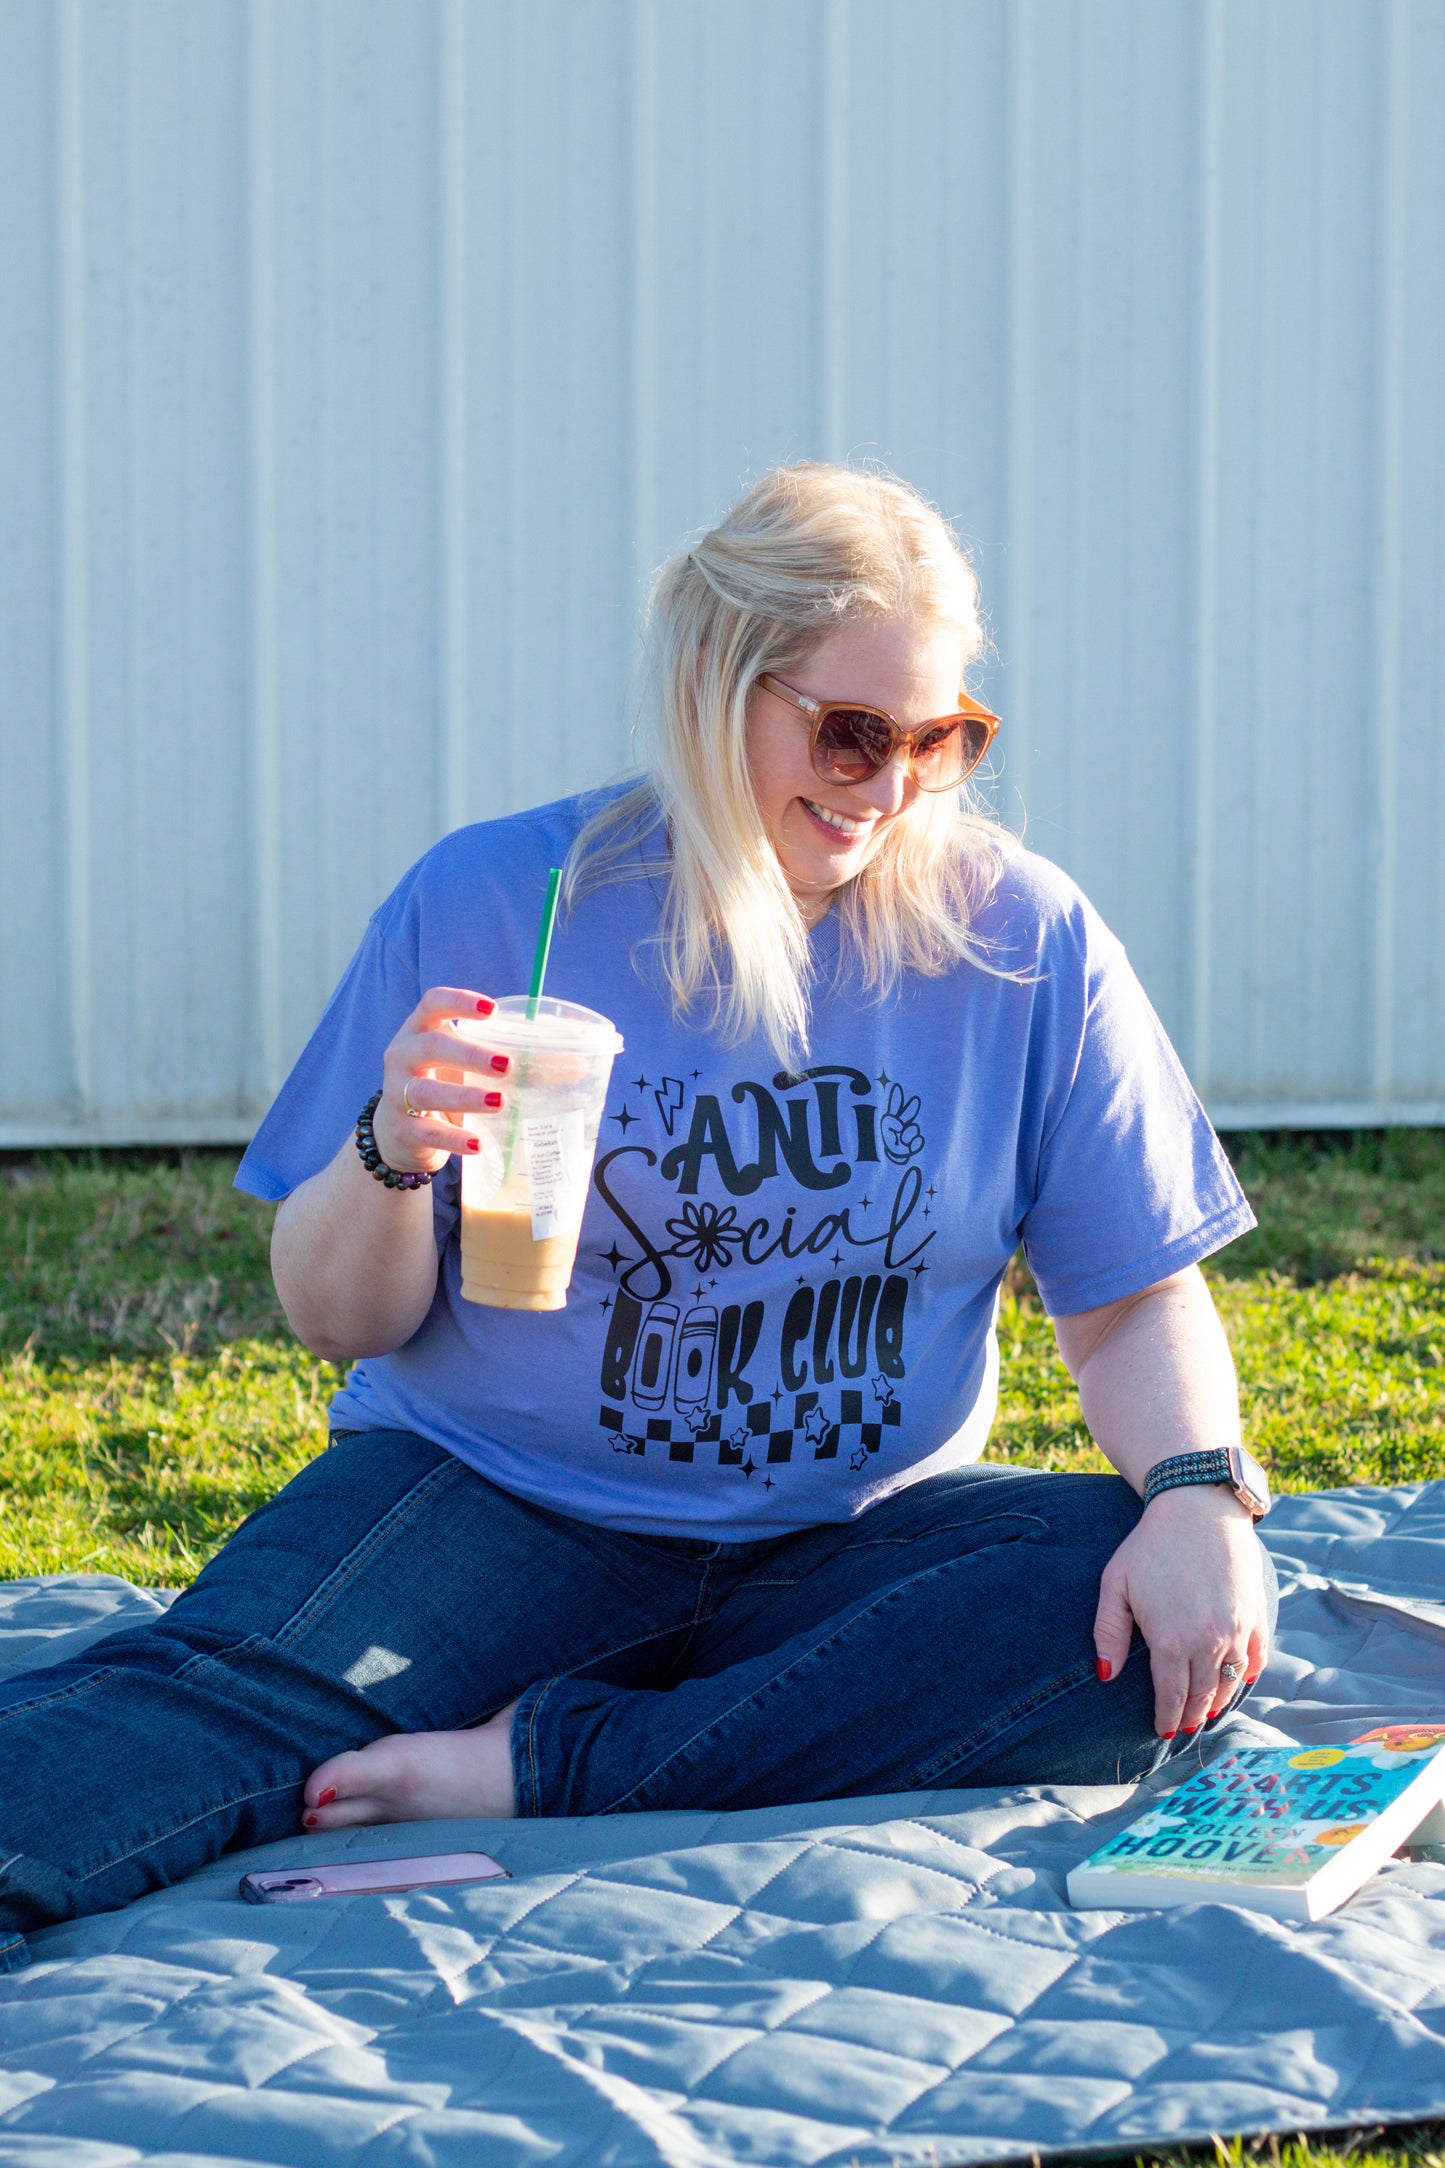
x: 902, y: 1137
x: 705, y: 1235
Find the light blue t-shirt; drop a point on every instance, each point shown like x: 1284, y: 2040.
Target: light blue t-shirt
x: 785, y: 1291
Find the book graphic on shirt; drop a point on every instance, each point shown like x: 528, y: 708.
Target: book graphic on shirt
x: 1290, y: 1830
x: 825, y: 1208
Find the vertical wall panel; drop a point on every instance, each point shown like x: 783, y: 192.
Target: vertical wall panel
x: 35, y: 1054
x: 1298, y: 539
x: 1416, y: 878
x: 360, y: 362
x: 1112, y: 420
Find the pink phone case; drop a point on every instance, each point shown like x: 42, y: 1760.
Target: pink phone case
x: 369, y: 1877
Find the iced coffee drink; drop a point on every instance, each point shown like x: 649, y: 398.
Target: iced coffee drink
x: 524, y: 1192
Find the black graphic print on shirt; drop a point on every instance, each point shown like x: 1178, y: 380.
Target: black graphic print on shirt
x: 708, y: 1357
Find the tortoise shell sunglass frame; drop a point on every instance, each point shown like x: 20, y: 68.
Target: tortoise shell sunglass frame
x: 851, y: 741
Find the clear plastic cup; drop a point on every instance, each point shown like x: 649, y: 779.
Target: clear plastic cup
x: 524, y: 1192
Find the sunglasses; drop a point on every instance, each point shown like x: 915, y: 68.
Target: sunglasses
x: 851, y: 743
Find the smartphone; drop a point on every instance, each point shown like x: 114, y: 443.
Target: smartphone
x: 369, y: 1877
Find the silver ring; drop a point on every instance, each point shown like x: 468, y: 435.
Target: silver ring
x: 418, y: 1114
x: 1230, y: 1672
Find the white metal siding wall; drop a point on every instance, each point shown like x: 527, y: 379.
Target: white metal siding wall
x: 359, y: 361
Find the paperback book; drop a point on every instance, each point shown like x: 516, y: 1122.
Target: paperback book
x: 1291, y: 1830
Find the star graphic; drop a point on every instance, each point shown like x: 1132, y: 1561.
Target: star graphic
x: 836, y: 1258
x: 932, y: 1192
x: 614, y: 1256
x: 639, y: 1083
x: 865, y: 1202
x: 800, y: 1279
x: 767, y: 1482
x: 740, y: 1438
x: 696, y: 1074
x: 883, y: 1392
x: 750, y: 1466
x: 816, y: 1426
x: 712, y: 1283
x: 607, y: 1302
x: 625, y: 1119
x: 697, y: 1294
x: 919, y: 1269
x: 697, y: 1420
x: 927, y: 1212
x: 858, y: 1460
x: 776, y: 1394
x: 884, y: 1077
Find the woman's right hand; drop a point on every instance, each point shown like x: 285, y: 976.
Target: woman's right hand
x: 426, y: 1065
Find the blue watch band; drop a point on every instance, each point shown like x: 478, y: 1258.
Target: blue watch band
x: 1187, y: 1468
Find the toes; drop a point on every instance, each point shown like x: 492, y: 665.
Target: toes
x: 333, y: 1779
x: 346, y: 1814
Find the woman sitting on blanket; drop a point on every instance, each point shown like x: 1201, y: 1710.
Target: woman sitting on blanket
x: 871, y: 1046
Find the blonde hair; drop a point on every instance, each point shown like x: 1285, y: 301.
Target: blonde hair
x: 806, y: 550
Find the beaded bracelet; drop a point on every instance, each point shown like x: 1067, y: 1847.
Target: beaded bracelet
x: 371, y: 1158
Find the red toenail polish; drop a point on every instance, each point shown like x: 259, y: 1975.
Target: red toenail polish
x: 485, y: 1007
x: 310, y: 1820
x: 1103, y: 1672
x: 327, y: 1796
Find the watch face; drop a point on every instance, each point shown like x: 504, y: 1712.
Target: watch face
x: 1250, y: 1480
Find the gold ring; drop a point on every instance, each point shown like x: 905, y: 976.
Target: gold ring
x: 1230, y: 1672
x: 418, y: 1114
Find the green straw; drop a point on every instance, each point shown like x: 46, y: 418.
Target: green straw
x: 544, y: 939
x: 534, y: 995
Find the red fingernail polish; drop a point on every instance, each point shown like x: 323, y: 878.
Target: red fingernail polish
x: 1251, y: 1679
x: 485, y: 1007
x: 1167, y: 1735
x: 492, y: 1100
x: 474, y: 1144
x: 1103, y: 1672
x: 327, y: 1796
x: 1189, y: 1730
x: 310, y: 1820
x: 501, y: 1063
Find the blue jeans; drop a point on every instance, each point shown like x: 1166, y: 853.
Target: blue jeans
x: 944, y: 1639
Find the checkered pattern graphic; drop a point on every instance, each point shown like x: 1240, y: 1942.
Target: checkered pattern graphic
x: 768, y: 1430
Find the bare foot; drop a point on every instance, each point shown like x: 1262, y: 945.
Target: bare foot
x: 417, y: 1776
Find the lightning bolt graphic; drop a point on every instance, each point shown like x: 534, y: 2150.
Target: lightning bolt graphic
x: 669, y: 1096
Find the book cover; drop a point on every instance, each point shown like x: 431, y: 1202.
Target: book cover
x: 1290, y: 1830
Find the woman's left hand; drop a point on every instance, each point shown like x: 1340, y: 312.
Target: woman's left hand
x: 1191, y: 1578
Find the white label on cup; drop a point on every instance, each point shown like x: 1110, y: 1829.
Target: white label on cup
x: 556, y: 1149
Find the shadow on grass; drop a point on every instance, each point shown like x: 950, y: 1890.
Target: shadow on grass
x: 1334, y: 1201
x: 132, y: 1253
x: 1376, y: 2145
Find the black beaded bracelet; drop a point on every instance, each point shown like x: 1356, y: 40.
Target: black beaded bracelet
x: 371, y: 1158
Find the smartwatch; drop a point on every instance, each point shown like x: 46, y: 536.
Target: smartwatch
x: 1231, y: 1465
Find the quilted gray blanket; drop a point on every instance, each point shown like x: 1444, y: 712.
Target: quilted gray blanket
x: 877, y: 1981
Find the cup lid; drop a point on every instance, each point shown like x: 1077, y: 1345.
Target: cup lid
x: 565, y: 1025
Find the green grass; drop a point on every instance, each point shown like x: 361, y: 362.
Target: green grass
x: 151, y: 1395
x: 1334, y: 1306
x: 150, y: 1392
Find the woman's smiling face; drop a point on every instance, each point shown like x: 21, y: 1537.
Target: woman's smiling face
x: 825, y: 833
